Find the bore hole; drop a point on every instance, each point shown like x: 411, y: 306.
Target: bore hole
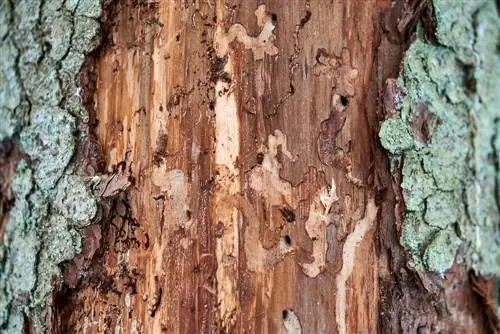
x: 344, y: 101
x: 219, y: 230
x: 288, y: 240
x: 285, y: 314
x: 274, y: 17
x: 218, y: 64
x: 260, y: 158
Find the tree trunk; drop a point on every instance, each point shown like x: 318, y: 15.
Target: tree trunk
x: 260, y: 199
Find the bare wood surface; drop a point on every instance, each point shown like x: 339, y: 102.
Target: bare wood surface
x: 232, y: 224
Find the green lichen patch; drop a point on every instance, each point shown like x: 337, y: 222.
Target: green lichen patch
x: 21, y: 245
x: 88, y: 8
x: 396, y: 136
x: 456, y: 28
x: 22, y: 182
x: 43, y: 46
x: 441, y: 209
x: 416, y: 236
x: 440, y: 253
x: 75, y: 200
x: 60, y: 242
x: 10, y: 94
x: 86, y: 36
x: 50, y: 142
x: 445, y: 140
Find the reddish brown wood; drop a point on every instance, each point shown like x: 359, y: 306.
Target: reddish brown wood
x: 159, y: 268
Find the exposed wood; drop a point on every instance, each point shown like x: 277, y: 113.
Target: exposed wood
x: 258, y: 184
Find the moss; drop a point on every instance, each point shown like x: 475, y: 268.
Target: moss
x: 43, y: 48
x: 450, y: 166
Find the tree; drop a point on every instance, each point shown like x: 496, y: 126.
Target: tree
x: 228, y: 174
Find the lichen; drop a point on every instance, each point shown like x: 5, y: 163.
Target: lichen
x: 50, y: 143
x: 440, y: 253
x: 444, y: 138
x: 395, y: 135
x: 74, y: 200
x: 43, y: 45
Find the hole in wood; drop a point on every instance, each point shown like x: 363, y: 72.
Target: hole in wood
x: 260, y: 158
x: 344, y: 101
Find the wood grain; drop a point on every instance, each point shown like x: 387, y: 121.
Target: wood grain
x: 192, y: 246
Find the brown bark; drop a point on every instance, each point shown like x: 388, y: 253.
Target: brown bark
x: 194, y: 246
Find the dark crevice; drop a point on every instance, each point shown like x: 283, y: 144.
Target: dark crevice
x: 344, y: 100
x: 496, y: 162
x: 11, y: 19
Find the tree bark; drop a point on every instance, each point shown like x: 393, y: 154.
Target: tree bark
x: 260, y: 198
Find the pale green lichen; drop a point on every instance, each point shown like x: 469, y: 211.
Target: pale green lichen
x: 50, y: 143
x: 441, y: 209
x: 10, y: 94
x: 395, y: 135
x: 416, y: 234
x: 75, y: 201
x: 60, y: 242
x: 445, y: 138
x: 440, y: 252
x: 43, y: 45
x: 88, y: 8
